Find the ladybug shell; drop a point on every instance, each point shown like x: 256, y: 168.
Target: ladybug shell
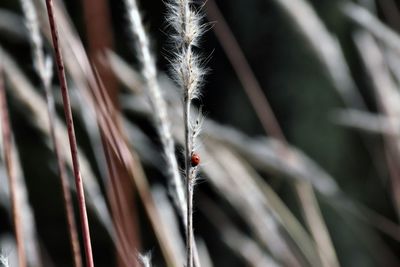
x: 195, y: 160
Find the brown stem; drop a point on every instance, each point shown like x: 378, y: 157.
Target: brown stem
x: 11, y: 173
x: 69, y: 210
x: 71, y: 135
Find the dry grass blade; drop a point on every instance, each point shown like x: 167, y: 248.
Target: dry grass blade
x: 82, y: 73
x: 162, y: 122
x: 312, y: 215
x: 133, y: 166
x: 325, y: 46
x: 367, y: 20
x: 388, y: 98
x: 266, y: 155
x: 24, y: 92
x: 367, y: 122
x: 295, y: 168
x: 243, y: 71
x: 270, y: 124
x: 166, y: 211
x: 11, y: 171
x: 71, y: 136
x: 228, y: 175
x: 241, y: 244
x: 294, y: 228
x: 32, y: 248
x: 203, y: 253
x: 43, y: 67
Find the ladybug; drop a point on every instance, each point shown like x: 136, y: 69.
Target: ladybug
x: 195, y: 159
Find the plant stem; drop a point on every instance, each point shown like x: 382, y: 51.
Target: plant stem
x: 44, y: 71
x: 11, y: 173
x: 189, y: 187
x: 69, y: 211
x: 71, y: 135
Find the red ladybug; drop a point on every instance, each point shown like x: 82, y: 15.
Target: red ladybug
x: 195, y: 159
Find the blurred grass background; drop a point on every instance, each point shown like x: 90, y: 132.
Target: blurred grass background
x: 300, y: 92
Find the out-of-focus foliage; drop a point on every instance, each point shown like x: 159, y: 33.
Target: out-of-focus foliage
x: 304, y: 99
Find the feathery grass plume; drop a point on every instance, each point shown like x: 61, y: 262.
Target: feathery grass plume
x: 189, y: 74
x: 44, y: 69
x: 71, y: 135
x: 162, y: 122
x: 11, y: 172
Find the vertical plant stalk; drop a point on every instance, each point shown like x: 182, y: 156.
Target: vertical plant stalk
x: 43, y: 67
x: 189, y: 75
x: 11, y: 172
x: 189, y: 186
x: 69, y: 210
x: 71, y: 135
x: 158, y: 104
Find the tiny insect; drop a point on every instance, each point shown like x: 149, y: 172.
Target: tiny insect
x: 195, y: 159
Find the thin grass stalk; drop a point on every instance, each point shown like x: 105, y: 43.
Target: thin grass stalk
x: 78, y: 65
x: 100, y: 100
x: 119, y: 173
x: 325, y: 46
x: 118, y: 212
x: 189, y: 191
x: 98, y: 42
x: 11, y: 172
x: 158, y: 104
x: 71, y: 135
x: 243, y: 71
x: 100, y: 38
x: 189, y: 75
x: 25, y: 93
x: 67, y: 197
x: 120, y: 201
x: 43, y: 67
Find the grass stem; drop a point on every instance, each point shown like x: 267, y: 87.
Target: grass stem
x: 11, y: 172
x: 71, y: 135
